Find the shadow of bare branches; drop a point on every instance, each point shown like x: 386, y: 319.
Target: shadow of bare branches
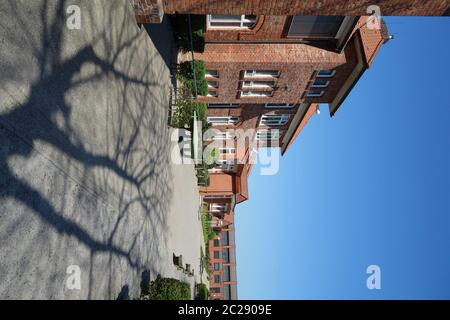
x: 83, y: 150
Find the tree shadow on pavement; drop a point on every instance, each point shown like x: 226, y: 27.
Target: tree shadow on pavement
x: 112, y: 186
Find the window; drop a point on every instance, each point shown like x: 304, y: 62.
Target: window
x: 216, y: 243
x: 317, y: 27
x: 217, y: 279
x: 224, y: 238
x: 212, y: 73
x: 320, y: 83
x: 325, y: 73
x: 223, y: 105
x: 248, y: 93
x: 216, y: 254
x: 223, y: 135
x: 280, y: 105
x: 216, y: 267
x: 212, y: 84
x: 268, y: 135
x: 260, y: 84
x: 214, y: 290
x: 211, y: 94
x: 225, y: 165
x: 226, y: 255
x: 314, y: 93
x: 274, y: 120
x: 217, y: 197
x: 227, y: 150
x: 224, y: 21
x: 223, y: 120
x: 217, y: 207
x: 262, y: 73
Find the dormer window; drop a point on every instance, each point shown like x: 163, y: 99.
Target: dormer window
x: 316, y: 27
x: 326, y: 73
x: 320, y: 83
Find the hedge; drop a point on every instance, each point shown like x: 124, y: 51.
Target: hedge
x: 186, y: 77
x: 203, y: 177
x: 168, y: 289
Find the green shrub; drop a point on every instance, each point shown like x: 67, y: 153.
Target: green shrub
x: 181, y: 32
x: 210, y: 157
x: 183, y: 115
x: 203, y: 177
x: 186, y: 77
x: 208, y: 232
x: 168, y: 289
x: 201, y: 292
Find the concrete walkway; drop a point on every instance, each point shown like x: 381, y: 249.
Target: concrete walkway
x: 86, y: 177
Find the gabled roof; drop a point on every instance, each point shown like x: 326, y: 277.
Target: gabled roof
x: 367, y: 41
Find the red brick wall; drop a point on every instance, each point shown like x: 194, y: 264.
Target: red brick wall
x: 148, y: 11
x: 296, y: 62
x: 302, y: 7
x: 266, y: 28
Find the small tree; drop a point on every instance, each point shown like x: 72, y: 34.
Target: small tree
x: 210, y: 157
x: 183, y: 115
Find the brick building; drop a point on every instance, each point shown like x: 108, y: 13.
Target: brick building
x: 269, y: 68
x: 151, y: 11
x: 267, y: 76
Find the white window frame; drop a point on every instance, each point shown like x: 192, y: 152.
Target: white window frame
x: 230, y: 120
x: 252, y: 84
x: 320, y: 85
x: 226, y: 165
x: 268, y: 135
x: 212, y: 86
x: 311, y: 94
x: 260, y: 73
x: 284, y: 118
x: 227, y: 150
x: 222, y: 135
x: 217, y: 207
x: 212, y: 94
x: 241, y: 22
x: 279, y: 105
x: 254, y: 93
x: 318, y: 75
x: 210, y: 73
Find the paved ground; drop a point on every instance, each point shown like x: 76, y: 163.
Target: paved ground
x: 85, y: 171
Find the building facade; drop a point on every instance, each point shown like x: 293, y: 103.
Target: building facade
x: 151, y: 11
x: 270, y: 65
x: 267, y: 76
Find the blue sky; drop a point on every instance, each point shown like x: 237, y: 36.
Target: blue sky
x: 369, y: 186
